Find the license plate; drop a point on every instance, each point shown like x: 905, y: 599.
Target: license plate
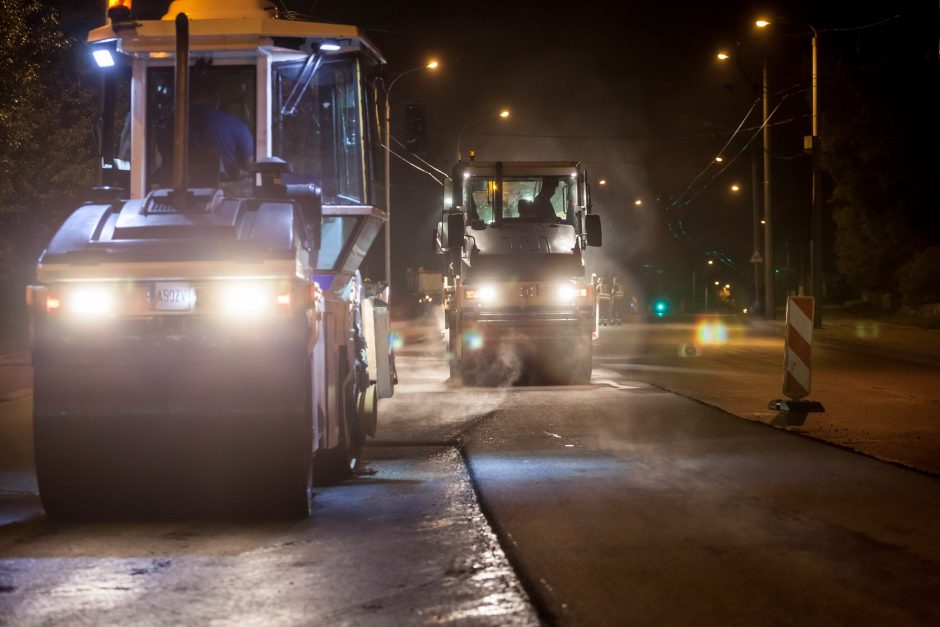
x: 172, y: 296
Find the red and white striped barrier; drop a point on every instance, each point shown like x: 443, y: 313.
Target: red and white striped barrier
x: 797, y: 370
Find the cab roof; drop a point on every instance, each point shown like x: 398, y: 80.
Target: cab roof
x: 210, y: 33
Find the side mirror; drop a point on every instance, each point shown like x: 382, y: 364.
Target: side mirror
x: 455, y: 233
x: 592, y: 229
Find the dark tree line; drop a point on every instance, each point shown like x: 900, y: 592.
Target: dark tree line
x: 880, y: 149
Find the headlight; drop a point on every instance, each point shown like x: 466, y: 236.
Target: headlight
x: 246, y: 300
x: 484, y: 293
x: 566, y: 293
x: 90, y: 301
x: 487, y: 293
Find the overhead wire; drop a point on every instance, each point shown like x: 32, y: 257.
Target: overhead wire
x: 436, y: 169
x: 416, y: 167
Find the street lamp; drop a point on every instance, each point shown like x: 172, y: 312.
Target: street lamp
x: 432, y: 64
x: 813, y: 145
x: 503, y: 114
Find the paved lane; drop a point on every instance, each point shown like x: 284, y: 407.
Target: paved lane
x: 636, y: 506
x: 405, y: 543
x: 876, y: 404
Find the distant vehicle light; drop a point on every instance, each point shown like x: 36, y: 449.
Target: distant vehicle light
x: 712, y: 333
x: 103, y: 57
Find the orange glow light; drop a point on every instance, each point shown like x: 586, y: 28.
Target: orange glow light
x: 53, y: 304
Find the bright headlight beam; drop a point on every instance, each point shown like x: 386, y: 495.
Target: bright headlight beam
x: 245, y: 300
x: 487, y: 293
x: 566, y: 292
x: 90, y: 302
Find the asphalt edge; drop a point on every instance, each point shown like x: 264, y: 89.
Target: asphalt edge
x: 539, y: 593
x: 800, y: 434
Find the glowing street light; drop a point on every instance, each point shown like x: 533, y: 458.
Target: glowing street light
x: 638, y: 202
x: 735, y: 187
x: 719, y: 159
x: 602, y: 182
x: 503, y: 114
x: 723, y: 56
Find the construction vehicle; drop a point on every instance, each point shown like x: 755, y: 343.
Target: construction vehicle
x: 212, y: 348
x: 516, y: 305
x: 425, y: 286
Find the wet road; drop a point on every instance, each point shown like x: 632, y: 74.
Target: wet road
x: 403, y: 543
x: 614, y: 503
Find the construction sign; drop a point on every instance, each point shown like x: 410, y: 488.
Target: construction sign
x: 799, y: 347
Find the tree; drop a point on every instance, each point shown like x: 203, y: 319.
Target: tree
x: 46, y: 114
x: 879, y: 141
x: 872, y: 237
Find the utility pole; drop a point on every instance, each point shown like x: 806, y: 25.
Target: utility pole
x: 755, y: 210
x: 769, y: 305
x: 816, y: 247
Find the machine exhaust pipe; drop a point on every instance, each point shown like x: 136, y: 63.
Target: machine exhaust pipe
x: 181, y: 112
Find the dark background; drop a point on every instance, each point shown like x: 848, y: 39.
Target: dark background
x: 635, y: 92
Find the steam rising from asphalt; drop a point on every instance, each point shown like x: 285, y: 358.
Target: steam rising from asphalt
x: 442, y: 409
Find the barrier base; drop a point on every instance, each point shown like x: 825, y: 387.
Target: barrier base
x: 793, y: 412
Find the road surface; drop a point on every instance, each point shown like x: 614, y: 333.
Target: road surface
x: 620, y: 502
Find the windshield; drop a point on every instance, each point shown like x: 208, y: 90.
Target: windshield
x: 317, y: 126
x: 221, y: 124
x: 548, y: 199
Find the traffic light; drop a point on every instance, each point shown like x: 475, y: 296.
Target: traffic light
x: 414, y: 129
x: 661, y: 307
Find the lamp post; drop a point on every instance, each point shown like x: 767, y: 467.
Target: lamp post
x: 756, y: 221
x: 503, y: 114
x: 433, y: 64
x: 812, y: 143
